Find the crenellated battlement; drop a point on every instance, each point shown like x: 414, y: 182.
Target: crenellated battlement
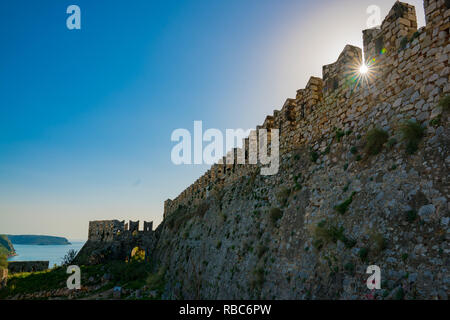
x: 436, y: 14
x: 340, y: 75
x: 408, y: 75
x: 110, y: 230
x: 400, y: 22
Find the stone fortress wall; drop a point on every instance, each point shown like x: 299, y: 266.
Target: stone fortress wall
x: 110, y: 230
x: 110, y: 240
x: 409, y: 73
x: 27, y: 266
x: 3, y: 278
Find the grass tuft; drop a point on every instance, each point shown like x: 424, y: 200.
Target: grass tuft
x: 444, y: 103
x: 326, y: 232
x: 339, y: 134
x: 412, y: 134
x: 342, y: 207
x: 375, y: 139
x: 313, y: 155
x: 275, y: 215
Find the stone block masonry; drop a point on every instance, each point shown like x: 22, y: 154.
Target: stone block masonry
x: 408, y: 75
x: 3, y: 277
x: 27, y: 266
x: 115, y: 240
x: 109, y: 230
x: 311, y: 231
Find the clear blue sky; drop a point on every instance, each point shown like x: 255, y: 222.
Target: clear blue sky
x: 86, y: 115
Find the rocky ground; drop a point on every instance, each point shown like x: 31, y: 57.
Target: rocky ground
x: 96, y: 292
x: 113, y: 280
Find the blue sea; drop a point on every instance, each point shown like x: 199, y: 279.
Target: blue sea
x: 54, y: 254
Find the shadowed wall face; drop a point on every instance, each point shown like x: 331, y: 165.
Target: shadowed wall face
x: 400, y: 57
x: 112, y: 240
x: 3, y: 277
x: 27, y: 266
x: 130, y: 86
x: 105, y: 230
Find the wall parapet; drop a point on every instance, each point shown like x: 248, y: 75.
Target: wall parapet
x: 27, y: 266
x: 400, y: 22
x: 110, y: 230
x: 408, y: 74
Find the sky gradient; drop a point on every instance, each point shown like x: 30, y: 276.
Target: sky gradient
x: 86, y: 115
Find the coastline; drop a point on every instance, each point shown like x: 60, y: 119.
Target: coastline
x: 43, y: 240
x: 44, y: 244
x: 52, y: 253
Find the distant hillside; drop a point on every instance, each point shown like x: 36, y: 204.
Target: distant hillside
x: 38, y: 240
x: 6, y: 247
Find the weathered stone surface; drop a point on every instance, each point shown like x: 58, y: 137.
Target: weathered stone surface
x: 27, y: 266
x: 3, y: 277
x: 426, y: 212
x: 312, y: 230
x: 110, y: 240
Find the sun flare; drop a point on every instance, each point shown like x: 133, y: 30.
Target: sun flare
x: 363, y: 69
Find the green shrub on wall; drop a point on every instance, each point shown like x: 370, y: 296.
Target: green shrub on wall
x: 412, y: 133
x: 375, y: 139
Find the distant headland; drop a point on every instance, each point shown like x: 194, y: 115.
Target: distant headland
x: 6, y: 247
x: 38, y: 240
